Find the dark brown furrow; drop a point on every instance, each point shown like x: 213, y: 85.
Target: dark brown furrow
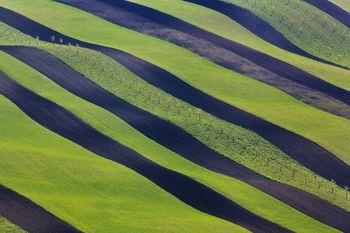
x: 28, y: 215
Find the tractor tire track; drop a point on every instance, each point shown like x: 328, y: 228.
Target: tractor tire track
x: 28, y: 215
x: 191, y: 192
x: 175, y: 138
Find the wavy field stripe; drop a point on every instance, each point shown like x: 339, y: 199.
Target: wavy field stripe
x: 71, y: 182
x: 224, y: 52
x: 120, y: 131
x: 184, y: 188
x: 233, y: 88
x: 301, y: 149
x: 329, y: 48
x: 256, y: 25
x: 28, y: 215
x: 332, y: 9
x: 173, y: 137
x: 221, y: 25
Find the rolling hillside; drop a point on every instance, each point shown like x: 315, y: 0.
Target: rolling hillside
x: 174, y: 116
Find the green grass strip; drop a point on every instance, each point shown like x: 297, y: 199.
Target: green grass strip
x: 8, y: 227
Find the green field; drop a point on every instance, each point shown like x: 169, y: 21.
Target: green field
x: 235, y: 142
x: 97, y: 195
x: 241, y: 91
x: 238, y: 191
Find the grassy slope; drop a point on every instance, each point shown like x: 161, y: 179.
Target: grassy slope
x: 306, y: 26
x: 235, y: 142
x: 241, y: 91
x: 92, y: 193
x: 345, y: 4
x: 8, y: 227
x: 240, y: 192
x: 220, y: 24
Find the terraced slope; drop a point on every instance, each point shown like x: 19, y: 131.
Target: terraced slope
x: 234, y: 56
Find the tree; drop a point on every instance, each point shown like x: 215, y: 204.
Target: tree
x: 53, y: 38
x: 199, y: 111
x: 332, y: 187
x: 77, y: 45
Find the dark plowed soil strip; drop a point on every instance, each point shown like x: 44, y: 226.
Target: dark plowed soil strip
x: 237, y: 57
x: 174, y: 137
x: 332, y: 9
x: 27, y: 215
x: 254, y: 24
x: 301, y: 149
x: 193, y: 193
